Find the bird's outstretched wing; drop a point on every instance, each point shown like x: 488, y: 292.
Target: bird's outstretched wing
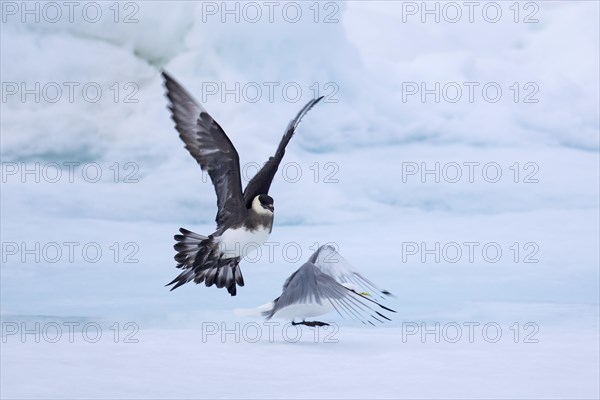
x: 331, y: 263
x: 309, y: 285
x: 212, y: 149
x: 261, y: 182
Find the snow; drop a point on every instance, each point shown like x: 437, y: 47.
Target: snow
x: 179, y: 364
x: 386, y: 175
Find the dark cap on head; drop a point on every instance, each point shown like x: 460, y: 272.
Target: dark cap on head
x: 265, y: 199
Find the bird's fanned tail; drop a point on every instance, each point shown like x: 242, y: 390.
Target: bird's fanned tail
x: 200, y: 259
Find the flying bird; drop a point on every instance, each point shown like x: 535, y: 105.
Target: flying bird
x: 244, y: 219
x: 326, y: 283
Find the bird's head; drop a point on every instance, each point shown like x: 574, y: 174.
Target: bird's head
x: 263, y: 204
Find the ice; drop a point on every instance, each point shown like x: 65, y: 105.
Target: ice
x: 358, y: 174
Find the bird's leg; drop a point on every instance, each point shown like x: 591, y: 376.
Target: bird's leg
x: 311, y: 323
x: 315, y: 323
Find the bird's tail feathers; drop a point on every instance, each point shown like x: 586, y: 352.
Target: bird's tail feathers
x: 188, y: 245
x: 200, y: 259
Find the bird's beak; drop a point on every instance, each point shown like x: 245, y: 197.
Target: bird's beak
x: 271, y: 207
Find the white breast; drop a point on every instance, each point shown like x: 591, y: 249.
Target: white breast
x: 240, y: 242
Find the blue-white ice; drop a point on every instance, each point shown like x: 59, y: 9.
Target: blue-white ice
x: 369, y: 141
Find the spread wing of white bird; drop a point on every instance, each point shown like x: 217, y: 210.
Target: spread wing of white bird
x: 310, y: 292
x: 326, y: 283
x: 330, y: 262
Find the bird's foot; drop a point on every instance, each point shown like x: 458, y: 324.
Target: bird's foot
x: 311, y: 323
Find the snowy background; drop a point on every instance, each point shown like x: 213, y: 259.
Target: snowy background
x: 514, y: 93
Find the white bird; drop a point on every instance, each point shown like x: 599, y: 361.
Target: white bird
x: 326, y: 283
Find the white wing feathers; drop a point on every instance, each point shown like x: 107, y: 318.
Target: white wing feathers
x: 326, y: 282
x: 330, y: 262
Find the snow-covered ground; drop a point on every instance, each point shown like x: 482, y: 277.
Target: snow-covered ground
x: 454, y: 162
